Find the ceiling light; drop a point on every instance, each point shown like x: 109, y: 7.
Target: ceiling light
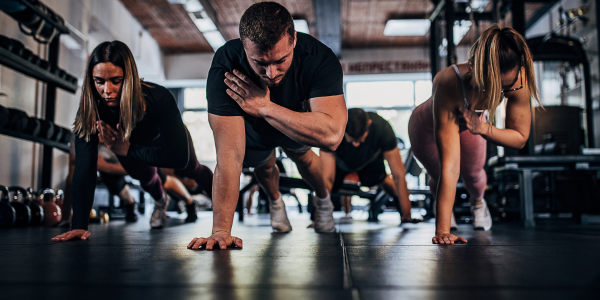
x: 460, y: 29
x: 416, y: 27
x: 215, y: 39
x: 204, y: 24
x: 301, y: 25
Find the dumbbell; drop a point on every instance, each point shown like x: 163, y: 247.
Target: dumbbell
x: 58, y: 133
x: 66, y: 138
x: 52, y: 213
x: 101, y: 217
x: 3, y: 116
x: 37, y: 211
x: 7, y: 212
x: 22, y: 210
x: 34, y: 59
x: 17, y: 47
x: 17, y: 119
x: 46, y: 129
x: 4, y: 42
x: 26, y: 54
x: 70, y: 79
x: 42, y: 63
x: 33, y: 126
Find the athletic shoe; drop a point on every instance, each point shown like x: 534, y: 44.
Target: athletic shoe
x: 192, y: 216
x: 159, y: 215
x: 279, y: 219
x: 324, y: 221
x: 482, y: 220
x: 131, y: 212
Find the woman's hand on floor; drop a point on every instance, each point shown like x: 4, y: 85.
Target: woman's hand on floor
x: 73, y: 234
x: 447, y: 238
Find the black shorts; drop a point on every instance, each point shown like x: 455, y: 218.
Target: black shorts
x: 371, y: 175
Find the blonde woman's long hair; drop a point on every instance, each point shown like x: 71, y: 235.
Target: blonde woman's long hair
x: 132, y: 104
x: 498, y: 51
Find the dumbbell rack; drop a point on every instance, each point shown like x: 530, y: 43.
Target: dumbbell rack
x: 53, y: 77
x: 28, y: 68
x: 62, y: 146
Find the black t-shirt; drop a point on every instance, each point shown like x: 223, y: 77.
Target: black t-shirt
x: 381, y: 138
x: 315, y: 72
x: 159, y: 139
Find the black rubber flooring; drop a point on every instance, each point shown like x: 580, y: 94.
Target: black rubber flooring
x: 557, y: 260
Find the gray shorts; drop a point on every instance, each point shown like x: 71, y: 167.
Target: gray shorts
x: 258, y: 158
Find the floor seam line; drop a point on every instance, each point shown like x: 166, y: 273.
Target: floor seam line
x: 348, y: 272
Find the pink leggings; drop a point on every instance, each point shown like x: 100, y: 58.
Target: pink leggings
x: 472, y: 152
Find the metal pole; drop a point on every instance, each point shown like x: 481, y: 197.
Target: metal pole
x: 449, y: 17
x: 47, y: 156
x: 434, y: 56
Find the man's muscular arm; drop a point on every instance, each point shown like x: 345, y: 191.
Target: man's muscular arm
x: 322, y: 127
x: 230, y: 140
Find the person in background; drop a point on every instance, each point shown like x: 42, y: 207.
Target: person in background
x: 368, y: 141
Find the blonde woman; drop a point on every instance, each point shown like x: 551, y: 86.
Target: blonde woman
x: 139, y: 122
x: 448, y: 133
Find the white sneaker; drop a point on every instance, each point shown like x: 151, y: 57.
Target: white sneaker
x: 481, y: 216
x: 324, y: 221
x: 279, y: 219
x: 159, y: 216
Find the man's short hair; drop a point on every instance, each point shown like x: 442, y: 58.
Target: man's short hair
x: 265, y: 23
x: 358, y: 122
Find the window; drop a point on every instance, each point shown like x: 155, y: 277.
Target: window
x: 195, y: 117
x: 423, y: 90
x: 380, y: 94
x: 194, y: 98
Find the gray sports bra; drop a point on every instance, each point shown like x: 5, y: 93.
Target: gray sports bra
x: 462, y: 84
x: 461, y: 119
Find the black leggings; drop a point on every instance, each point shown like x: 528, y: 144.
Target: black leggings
x: 151, y: 181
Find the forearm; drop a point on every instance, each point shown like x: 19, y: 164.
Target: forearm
x: 84, y: 187
x: 445, y: 201
x: 505, y: 137
x: 403, y: 195
x: 316, y: 129
x: 226, y: 184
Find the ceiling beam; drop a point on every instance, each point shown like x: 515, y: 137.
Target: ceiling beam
x: 437, y: 10
x: 328, y: 15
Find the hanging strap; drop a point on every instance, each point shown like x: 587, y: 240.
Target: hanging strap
x: 462, y: 84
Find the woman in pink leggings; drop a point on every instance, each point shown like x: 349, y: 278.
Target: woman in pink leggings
x: 448, y: 132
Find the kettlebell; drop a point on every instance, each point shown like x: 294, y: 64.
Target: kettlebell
x: 22, y: 209
x: 7, y: 212
x: 37, y: 212
x: 52, y: 213
x: 60, y: 199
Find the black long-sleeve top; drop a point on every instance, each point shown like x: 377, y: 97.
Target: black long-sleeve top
x: 159, y: 139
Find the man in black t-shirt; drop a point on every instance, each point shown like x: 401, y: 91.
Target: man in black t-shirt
x: 272, y: 87
x: 368, y: 140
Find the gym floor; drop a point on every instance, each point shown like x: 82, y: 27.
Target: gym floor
x: 557, y: 260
